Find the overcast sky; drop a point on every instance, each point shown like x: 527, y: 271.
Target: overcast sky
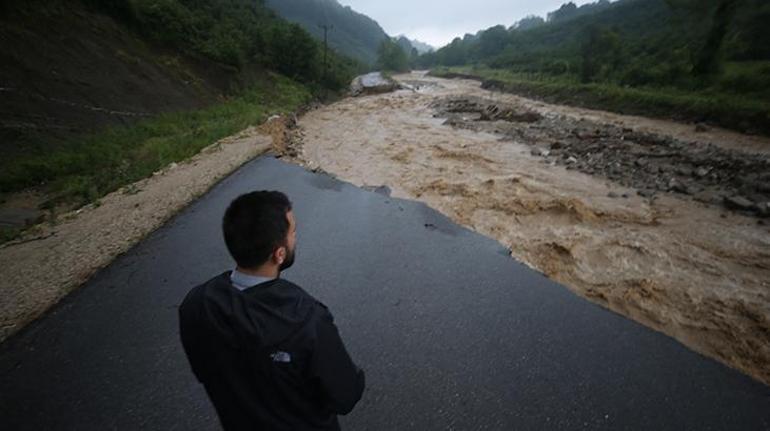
x: 438, y: 22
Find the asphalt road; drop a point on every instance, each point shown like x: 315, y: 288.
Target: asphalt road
x: 453, y: 334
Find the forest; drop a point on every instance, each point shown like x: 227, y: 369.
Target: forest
x: 693, y: 58
x: 348, y: 32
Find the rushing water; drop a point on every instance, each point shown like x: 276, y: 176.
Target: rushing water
x: 693, y: 271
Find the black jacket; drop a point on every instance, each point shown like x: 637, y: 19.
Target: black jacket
x: 270, y: 356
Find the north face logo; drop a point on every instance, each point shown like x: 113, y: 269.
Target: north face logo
x: 280, y: 356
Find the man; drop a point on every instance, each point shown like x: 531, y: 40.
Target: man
x: 268, y: 353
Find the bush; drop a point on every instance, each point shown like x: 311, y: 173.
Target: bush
x: 226, y: 44
x: 556, y: 67
x: 166, y: 21
x: 746, y: 78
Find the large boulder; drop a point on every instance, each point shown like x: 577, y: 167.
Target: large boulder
x: 372, y: 83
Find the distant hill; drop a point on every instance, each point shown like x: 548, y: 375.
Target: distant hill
x: 408, y: 46
x: 422, y: 47
x: 698, y: 60
x: 353, y: 34
x: 559, y: 36
x: 650, y: 34
x: 405, y: 44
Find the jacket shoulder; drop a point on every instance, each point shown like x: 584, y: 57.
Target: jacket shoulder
x: 199, y: 292
x: 303, y: 293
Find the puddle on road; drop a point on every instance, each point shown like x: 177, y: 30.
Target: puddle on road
x: 324, y: 182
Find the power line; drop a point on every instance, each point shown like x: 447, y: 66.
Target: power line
x: 326, y: 28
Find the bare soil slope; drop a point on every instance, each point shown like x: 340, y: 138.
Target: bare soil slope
x: 65, y: 70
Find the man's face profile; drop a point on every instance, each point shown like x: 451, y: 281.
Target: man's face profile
x: 291, y: 242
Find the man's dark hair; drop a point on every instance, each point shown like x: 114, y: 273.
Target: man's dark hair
x: 254, y: 225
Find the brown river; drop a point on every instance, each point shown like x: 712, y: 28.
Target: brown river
x: 692, y: 270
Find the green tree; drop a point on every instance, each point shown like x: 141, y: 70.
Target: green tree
x: 529, y: 22
x: 601, y: 53
x: 453, y: 54
x: 707, y: 56
x: 752, y: 41
x: 566, y: 11
x: 294, y: 52
x: 493, y: 41
x: 391, y: 57
x: 238, y: 33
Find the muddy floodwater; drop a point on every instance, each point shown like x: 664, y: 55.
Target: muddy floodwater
x: 656, y: 244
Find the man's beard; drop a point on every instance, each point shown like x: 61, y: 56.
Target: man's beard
x: 289, y: 261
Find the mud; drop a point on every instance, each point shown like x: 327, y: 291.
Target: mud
x: 647, y: 162
x: 694, y: 270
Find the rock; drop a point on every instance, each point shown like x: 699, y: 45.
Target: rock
x: 700, y: 127
x: 701, y: 172
x: 539, y: 152
x: 749, y: 181
x: 556, y: 145
x: 571, y: 160
x: 383, y: 190
x: 613, y: 195
x: 522, y: 117
x: 680, y: 187
x: 756, y: 198
x: 372, y: 83
x: 708, y: 197
x: 489, y: 84
x: 584, y: 135
x: 641, y: 162
x: 646, y: 193
x: 762, y: 209
x: 684, y: 171
x: 626, y: 195
x: 738, y: 203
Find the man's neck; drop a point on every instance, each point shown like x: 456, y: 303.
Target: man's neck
x: 263, y: 271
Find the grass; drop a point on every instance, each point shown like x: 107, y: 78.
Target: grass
x: 9, y: 233
x: 730, y: 109
x: 82, y: 170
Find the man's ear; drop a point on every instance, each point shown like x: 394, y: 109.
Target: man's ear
x: 279, y: 255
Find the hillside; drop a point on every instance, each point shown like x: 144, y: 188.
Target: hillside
x: 696, y: 61
x: 97, y: 94
x: 68, y: 70
x: 422, y: 47
x: 354, y: 34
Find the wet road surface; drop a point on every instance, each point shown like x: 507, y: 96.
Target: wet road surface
x: 453, y: 333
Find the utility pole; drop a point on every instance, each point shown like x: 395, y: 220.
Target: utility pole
x: 326, y: 29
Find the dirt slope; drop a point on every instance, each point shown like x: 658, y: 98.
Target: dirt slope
x: 65, y: 70
x: 91, y: 237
